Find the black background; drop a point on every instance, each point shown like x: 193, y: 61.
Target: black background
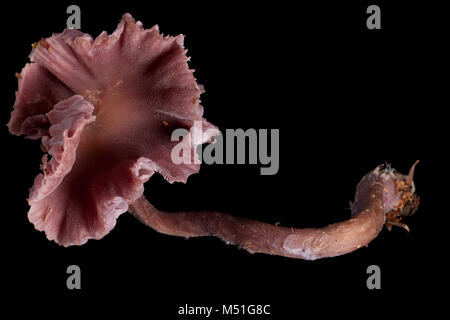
x: 345, y: 99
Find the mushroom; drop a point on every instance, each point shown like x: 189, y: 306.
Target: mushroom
x: 105, y: 108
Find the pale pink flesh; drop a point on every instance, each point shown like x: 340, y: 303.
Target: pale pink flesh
x: 138, y: 88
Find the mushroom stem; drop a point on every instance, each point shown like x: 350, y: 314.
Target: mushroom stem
x: 376, y: 195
